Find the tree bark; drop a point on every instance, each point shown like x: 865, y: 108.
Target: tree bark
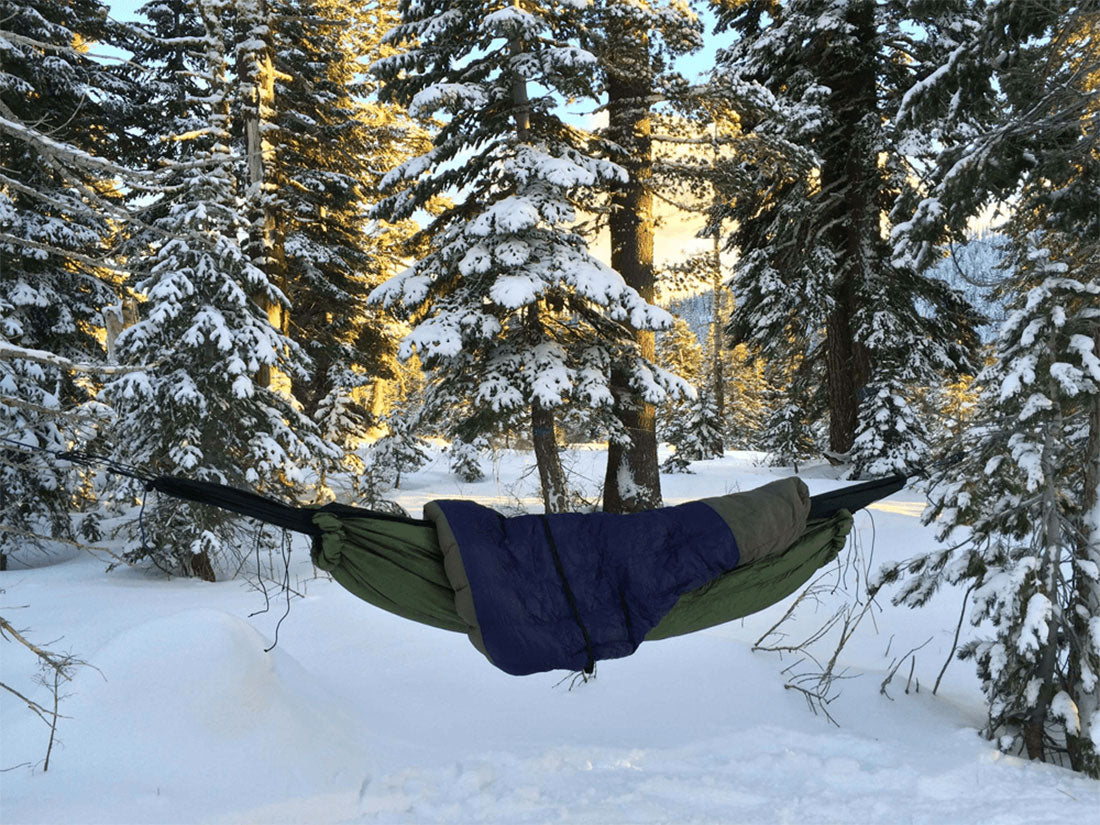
x: 1034, y: 729
x: 1082, y: 755
x: 716, y: 339
x: 555, y: 493
x: 633, y: 479
x: 849, y: 183
x: 555, y: 490
x: 202, y: 568
x: 266, y: 243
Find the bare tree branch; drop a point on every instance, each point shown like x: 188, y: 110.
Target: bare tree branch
x: 88, y: 548
x: 59, y: 666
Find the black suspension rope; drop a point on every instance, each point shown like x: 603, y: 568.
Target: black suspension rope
x: 285, y: 549
x: 82, y: 458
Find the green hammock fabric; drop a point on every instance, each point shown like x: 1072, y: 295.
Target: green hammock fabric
x: 748, y: 589
x: 394, y: 565
x: 398, y: 566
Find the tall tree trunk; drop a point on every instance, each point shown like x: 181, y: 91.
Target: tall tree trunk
x: 716, y: 339
x: 849, y: 181
x: 256, y: 74
x: 633, y: 479
x: 555, y: 490
x: 555, y: 493
x: 1034, y: 728
x: 1082, y: 755
x: 843, y: 373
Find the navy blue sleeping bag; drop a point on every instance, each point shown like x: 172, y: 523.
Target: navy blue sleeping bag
x: 564, y: 590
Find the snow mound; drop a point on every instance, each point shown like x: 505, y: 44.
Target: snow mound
x: 190, y: 704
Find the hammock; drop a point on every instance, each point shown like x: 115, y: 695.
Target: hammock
x: 536, y: 593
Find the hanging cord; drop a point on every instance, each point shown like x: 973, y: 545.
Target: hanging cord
x: 218, y: 495
x: 260, y: 574
x: 83, y: 459
x: 286, y: 588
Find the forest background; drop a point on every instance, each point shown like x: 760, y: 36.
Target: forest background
x: 278, y: 244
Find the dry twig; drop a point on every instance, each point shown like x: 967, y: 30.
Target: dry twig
x: 57, y: 669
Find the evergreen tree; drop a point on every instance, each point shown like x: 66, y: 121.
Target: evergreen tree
x: 465, y: 461
x: 203, y: 408
x: 1027, y: 484
x: 400, y: 450
x: 330, y: 141
x: 1019, y: 489
x: 814, y: 255
x: 732, y: 377
x: 59, y: 129
x: 512, y: 306
x: 695, y: 434
x: 679, y: 351
x: 787, y: 435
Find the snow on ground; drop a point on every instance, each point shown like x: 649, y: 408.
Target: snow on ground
x: 360, y: 717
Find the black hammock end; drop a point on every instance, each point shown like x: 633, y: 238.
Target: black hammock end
x: 267, y: 510
x: 854, y: 497
x: 242, y: 502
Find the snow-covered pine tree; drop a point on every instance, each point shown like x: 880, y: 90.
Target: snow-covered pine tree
x: 202, y: 408
x: 465, y: 459
x: 1027, y: 487
x: 1019, y: 488
x: 732, y: 376
x: 328, y: 141
x: 679, y: 352
x: 694, y: 434
x: 509, y: 298
x: 59, y: 126
x: 736, y: 375
x: 787, y: 435
x: 814, y: 252
x: 400, y: 450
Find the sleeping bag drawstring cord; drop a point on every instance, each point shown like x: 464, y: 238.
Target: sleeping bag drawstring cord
x: 590, y: 666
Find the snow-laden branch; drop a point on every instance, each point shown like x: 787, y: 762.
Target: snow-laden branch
x: 98, y: 263
x: 76, y: 157
x: 137, y: 30
x: 57, y: 48
x: 56, y: 412
x: 12, y: 352
x: 65, y: 207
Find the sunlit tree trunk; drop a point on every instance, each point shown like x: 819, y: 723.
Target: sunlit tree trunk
x: 633, y: 480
